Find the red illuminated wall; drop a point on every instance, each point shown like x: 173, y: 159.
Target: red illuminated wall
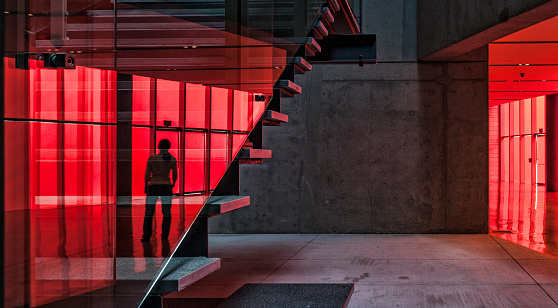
x: 60, y: 132
x: 207, y: 126
x: 521, y: 142
x: 60, y: 136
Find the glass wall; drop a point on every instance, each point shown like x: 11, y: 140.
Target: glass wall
x: 61, y: 169
x: 522, y: 141
x: 87, y: 98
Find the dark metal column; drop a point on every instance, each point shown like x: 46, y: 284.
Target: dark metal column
x: 124, y: 139
x: 124, y: 230
x: 2, y: 228
x: 552, y: 143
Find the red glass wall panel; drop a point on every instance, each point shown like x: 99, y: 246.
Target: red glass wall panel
x: 504, y: 120
x: 170, y: 99
x: 84, y: 162
x: 515, y: 151
x: 142, y: 148
x: 525, y: 117
x: 45, y: 94
x: 514, y: 118
x: 17, y: 166
x: 46, y: 159
x: 218, y: 154
x: 196, y: 106
x: 142, y: 100
x: 194, y: 162
x: 242, y: 120
x: 505, y: 159
x: 526, y: 159
x: 541, y: 159
x: 539, y: 114
x: 220, y: 108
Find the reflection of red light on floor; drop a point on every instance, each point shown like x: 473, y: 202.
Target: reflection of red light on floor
x: 525, y: 215
x: 64, y: 241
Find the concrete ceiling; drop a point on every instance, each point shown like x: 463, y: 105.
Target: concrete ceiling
x: 524, y: 64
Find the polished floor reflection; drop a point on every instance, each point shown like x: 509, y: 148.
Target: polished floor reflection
x: 52, y: 254
x: 526, y: 215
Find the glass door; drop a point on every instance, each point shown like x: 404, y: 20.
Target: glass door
x: 540, y: 159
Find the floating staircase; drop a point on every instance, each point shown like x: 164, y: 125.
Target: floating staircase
x: 225, y: 197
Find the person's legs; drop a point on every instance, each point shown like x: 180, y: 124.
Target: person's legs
x: 148, y: 219
x: 166, y: 203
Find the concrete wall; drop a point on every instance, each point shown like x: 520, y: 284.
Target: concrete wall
x: 450, y: 28
x: 398, y: 147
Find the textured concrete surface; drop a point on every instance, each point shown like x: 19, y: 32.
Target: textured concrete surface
x: 397, y: 147
x: 450, y: 28
x: 390, y: 148
x: 434, y: 270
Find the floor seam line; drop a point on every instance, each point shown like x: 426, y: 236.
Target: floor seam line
x: 290, y: 258
x: 528, y: 274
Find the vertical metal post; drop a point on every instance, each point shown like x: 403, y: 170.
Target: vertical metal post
x: 2, y: 229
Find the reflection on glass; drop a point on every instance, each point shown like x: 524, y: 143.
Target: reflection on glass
x: 74, y: 207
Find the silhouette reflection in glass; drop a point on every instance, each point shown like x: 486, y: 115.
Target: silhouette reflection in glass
x: 159, y: 185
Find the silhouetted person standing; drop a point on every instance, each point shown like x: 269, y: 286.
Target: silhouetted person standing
x: 158, y: 184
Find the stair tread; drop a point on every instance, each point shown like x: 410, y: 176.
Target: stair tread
x: 254, y: 153
x: 275, y: 116
x: 222, y: 204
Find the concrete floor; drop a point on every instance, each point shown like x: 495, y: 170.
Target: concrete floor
x: 388, y: 270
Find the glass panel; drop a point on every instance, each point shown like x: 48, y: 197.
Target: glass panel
x: 505, y: 159
x: 525, y: 115
x: 515, y: 160
x: 514, y: 118
x: 194, y: 162
x: 87, y: 95
x: 527, y: 158
x: 541, y: 160
x: 44, y: 94
x: 242, y: 111
x: 142, y: 148
x: 170, y: 98
x: 504, y: 120
x: 83, y: 164
x: 142, y: 100
x: 196, y: 106
x: 46, y: 157
x: 218, y: 158
x: 220, y: 103
x: 540, y: 126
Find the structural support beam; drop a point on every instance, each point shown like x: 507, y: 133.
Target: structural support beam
x: 124, y: 139
x: 552, y: 143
